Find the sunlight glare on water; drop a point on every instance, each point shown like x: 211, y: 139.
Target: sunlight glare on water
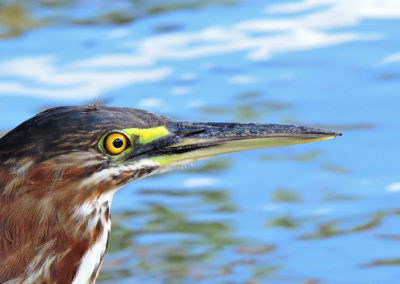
x: 327, y: 211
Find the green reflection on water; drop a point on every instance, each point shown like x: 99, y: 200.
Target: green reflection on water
x: 389, y: 261
x: 250, y: 95
x: 219, y: 198
x: 18, y: 17
x: 383, y: 262
x: 332, y: 196
x: 388, y: 76
x: 285, y: 195
x: 303, y: 157
x: 212, y: 166
x: 168, y: 6
x: 15, y: 19
x: 335, y: 168
x: 248, y: 106
x: 174, y: 244
x: 332, y: 228
x: 284, y: 221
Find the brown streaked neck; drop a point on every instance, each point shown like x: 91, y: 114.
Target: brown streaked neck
x: 49, y: 221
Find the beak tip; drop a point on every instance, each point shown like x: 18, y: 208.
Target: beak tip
x: 336, y: 134
x: 327, y: 132
x: 333, y: 133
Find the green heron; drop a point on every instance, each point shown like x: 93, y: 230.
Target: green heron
x: 60, y: 169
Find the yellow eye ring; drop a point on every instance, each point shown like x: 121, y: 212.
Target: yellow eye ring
x: 115, y: 143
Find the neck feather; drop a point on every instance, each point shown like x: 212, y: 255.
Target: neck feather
x: 50, y: 225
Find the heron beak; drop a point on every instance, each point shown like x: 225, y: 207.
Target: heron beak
x: 191, y: 141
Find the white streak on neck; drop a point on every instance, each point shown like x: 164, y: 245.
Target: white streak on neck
x: 94, y: 256
x: 107, y: 174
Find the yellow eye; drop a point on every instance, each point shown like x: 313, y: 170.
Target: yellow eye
x: 115, y: 143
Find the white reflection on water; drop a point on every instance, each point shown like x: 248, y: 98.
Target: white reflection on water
x: 279, y: 30
x: 222, y: 40
x: 199, y: 182
x: 150, y: 103
x: 394, y: 187
x: 342, y: 12
x: 49, y: 79
x: 392, y: 58
x: 110, y: 61
x: 242, y: 79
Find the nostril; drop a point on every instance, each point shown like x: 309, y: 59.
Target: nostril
x: 190, y: 132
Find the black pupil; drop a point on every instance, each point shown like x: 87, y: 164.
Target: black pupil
x: 118, y: 143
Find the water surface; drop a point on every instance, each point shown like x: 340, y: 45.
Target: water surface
x: 327, y: 212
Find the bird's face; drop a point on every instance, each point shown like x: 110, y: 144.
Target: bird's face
x: 84, y: 152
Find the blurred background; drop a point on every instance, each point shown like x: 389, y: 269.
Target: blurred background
x: 326, y: 212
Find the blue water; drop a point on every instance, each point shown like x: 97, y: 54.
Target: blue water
x: 328, y: 211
